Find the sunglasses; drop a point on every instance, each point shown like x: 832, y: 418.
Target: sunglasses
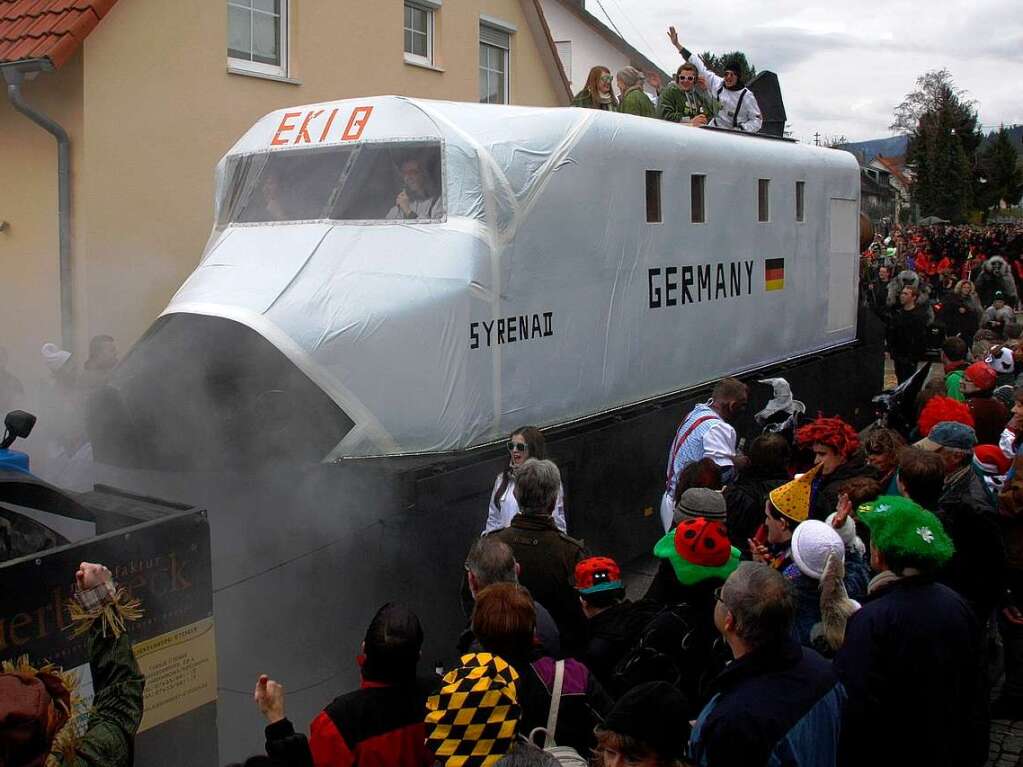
x: 606, y: 78
x: 517, y: 447
x: 688, y: 78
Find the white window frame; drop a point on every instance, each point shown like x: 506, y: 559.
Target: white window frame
x: 429, y: 7
x: 257, y: 67
x: 505, y: 28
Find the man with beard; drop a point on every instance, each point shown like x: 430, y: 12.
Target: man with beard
x: 739, y: 109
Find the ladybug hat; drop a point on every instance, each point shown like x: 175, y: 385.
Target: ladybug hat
x: 597, y: 574
x: 698, y: 550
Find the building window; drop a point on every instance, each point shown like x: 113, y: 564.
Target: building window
x: 418, y: 33
x: 763, y: 200
x: 800, y: 201
x: 653, y: 197
x: 257, y: 36
x: 494, y: 47
x: 698, y: 185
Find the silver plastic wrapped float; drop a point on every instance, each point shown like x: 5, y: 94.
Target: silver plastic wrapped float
x: 552, y: 263
x: 391, y: 276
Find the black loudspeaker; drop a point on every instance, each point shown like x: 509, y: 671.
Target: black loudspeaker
x: 766, y: 88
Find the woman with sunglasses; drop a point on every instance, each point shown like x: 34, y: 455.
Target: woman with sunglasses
x: 684, y: 102
x: 597, y: 94
x: 524, y: 443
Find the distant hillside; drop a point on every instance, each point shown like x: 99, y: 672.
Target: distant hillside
x: 1015, y: 135
x: 893, y: 146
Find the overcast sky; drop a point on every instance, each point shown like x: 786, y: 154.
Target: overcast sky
x: 843, y: 64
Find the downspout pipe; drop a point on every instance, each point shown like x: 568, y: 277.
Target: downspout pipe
x: 14, y: 75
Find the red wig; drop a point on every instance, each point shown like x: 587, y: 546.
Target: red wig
x: 832, y: 432
x: 940, y: 409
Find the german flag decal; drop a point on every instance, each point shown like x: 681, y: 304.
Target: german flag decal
x: 774, y: 274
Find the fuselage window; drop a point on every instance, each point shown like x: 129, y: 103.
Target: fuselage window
x: 373, y: 181
x: 800, y: 201
x: 764, y: 200
x: 698, y: 186
x: 653, y: 196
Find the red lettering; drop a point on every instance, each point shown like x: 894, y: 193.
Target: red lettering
x: 357, y: 124
x: 304, y: 130
x: 330, y: 121
x: 284, y: 127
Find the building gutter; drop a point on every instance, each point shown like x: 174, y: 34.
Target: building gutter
x: 14, y: 74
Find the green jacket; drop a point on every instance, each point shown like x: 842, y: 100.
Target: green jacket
x: 674, y: 107
x: 117, y: 705
x: 582, y: 99
x: 636, y: 102
x: 952, y: 383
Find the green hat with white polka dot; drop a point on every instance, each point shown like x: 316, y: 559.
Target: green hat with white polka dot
x: 903, y: 529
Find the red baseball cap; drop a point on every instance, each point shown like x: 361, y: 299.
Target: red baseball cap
x: 981, y: 375
x: 597, y: 574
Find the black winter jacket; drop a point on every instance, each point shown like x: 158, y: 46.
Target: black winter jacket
x: 909, y: 666
x: 745, y: 500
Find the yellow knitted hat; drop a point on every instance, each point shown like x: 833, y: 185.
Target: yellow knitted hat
x: 793, y: 498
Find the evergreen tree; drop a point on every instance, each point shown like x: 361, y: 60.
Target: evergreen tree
x: 716, y: 64
x: 998, y: 166
x: 943, y: 140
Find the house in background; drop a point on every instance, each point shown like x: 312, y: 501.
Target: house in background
x: 152, y: 93
x: 899, y: 177
x: 583, y: 42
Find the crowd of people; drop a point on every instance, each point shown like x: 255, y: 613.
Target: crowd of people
x: 827, y: 596
x: 696, y: 96
x: 931, y: 283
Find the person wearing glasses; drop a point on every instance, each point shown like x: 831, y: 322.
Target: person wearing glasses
x: 739, y: 109
x: 523, y: 444
x: 776, y: 702
x: 598, y: 93
x: 684, y: 102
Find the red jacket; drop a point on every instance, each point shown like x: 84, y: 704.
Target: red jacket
x: 378, y: 725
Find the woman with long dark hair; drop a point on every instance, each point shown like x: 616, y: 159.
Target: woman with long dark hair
x: 597, y: 93
x: 526, y: 442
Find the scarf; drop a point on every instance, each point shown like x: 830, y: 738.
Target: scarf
x: 605, y: 98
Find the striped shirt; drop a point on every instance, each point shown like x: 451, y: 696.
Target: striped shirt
x: 713, y: 438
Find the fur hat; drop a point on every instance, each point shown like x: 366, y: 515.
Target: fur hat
x: 833, y: 432
x: 812, y: 542
x: 899, y: 527
x: 940, y: 409
x: 793, y: 498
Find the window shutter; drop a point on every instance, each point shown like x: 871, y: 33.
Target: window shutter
x: 494, y: 37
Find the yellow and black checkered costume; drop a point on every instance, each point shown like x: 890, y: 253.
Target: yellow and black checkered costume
x: 473, y: 720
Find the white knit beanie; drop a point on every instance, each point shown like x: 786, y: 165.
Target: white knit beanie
x: 812, y: 541
x: 54, y: 357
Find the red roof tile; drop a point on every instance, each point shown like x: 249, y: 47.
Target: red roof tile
x: 52, y: 29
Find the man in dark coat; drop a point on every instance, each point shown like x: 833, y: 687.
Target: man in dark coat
x: 546, y: 556
x: 613, y: 622
x: 911, y: 697
x: 907, y: 333
x: 777, y: 702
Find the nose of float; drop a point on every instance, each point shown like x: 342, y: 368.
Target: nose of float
x: 201, y: 392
